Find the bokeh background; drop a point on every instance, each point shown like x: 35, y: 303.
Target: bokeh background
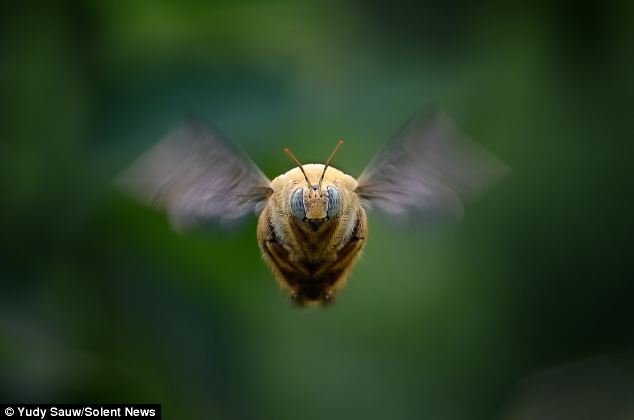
x: 523, y: 311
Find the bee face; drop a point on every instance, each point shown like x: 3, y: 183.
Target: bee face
x: 309, y: 203
x: 315, y: 206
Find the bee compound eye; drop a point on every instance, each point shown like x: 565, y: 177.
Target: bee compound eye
x: 334, y: 202
x: 297, y: 204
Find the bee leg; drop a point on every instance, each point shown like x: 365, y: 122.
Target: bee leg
x: 298, y: 300
x: 338, y: 270
x: 277, y: 257
x: 327, y: 299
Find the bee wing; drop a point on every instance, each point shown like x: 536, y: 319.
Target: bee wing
x: 196, y: 174
x: 428, y: 168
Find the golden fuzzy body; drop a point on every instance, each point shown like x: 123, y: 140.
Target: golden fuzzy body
x: 312, y: 258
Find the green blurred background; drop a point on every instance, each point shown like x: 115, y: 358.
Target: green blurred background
x: 101, y: 302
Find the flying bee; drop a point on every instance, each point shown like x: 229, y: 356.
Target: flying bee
x: 312, y: 226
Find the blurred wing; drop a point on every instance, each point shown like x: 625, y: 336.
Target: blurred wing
x: 428, y: 168
x: 197, y: 175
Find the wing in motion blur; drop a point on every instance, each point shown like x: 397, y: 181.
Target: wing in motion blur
x: 197, y: 175
x: 428, y: 168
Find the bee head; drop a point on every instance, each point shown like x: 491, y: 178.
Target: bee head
x: 313, y: 204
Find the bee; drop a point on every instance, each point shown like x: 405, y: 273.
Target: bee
x: 312, y: 225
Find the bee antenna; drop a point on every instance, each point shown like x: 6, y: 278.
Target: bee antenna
x: 332, y: 155
x: 299, y: 165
